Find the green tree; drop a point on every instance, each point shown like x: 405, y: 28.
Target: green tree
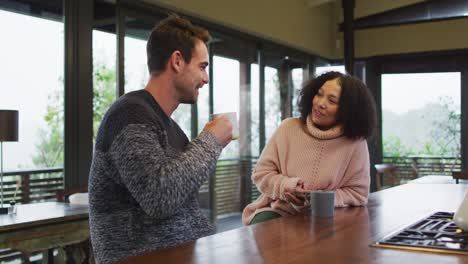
x: 446, y: 129
x: 393, y: 147
x: 49, y: 148
x: 104, y: 92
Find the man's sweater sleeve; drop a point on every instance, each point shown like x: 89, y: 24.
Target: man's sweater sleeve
x: 158, y: 181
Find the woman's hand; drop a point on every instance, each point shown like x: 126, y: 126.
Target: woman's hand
x: 300, y: 188
x: 297, y: 196
x: 296, y: 200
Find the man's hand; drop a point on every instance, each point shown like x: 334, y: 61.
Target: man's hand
x: 221, y: 128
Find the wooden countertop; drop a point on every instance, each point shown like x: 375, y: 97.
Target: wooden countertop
x: 342, y: 239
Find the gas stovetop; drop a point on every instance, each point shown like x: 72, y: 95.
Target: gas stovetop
x: 435, y: 233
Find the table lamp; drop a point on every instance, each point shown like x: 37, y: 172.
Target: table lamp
x: 8, y: 132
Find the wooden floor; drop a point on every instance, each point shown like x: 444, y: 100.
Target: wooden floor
x: 228, y: 222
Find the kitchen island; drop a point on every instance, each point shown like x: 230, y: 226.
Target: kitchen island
x: 346, y: 238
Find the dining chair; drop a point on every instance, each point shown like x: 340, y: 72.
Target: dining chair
x: 386, y: 172
x: 80, y: 252
x: 459, y: 175
x: 63, y: 195
x: 78, y: 198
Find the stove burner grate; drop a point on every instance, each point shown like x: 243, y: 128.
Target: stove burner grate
x: 435, y: 233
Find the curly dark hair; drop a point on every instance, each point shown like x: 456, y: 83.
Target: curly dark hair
x: 356, y: 106
x: 171, y: 34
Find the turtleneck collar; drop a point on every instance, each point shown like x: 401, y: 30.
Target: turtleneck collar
x: 334, y: 132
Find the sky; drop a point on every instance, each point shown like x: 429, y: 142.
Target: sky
x: 404, y: 92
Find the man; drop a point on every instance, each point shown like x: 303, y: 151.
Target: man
x: 146, y: 174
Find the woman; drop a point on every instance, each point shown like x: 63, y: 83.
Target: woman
x: 324, y: 149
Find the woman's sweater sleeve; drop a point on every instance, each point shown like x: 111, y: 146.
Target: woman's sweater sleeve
x: 267, y: 175
x: 354, y: 189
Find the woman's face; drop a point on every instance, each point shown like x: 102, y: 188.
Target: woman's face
x: 325, y: 104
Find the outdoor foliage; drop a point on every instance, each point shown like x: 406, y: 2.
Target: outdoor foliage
x: 50, y: 146
x: 104, y: 92
x: 49, y: 149
x: 393, y: 147
x: 444, y: 135
x: 446, y: 130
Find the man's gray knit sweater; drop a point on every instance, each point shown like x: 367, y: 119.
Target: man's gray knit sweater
x: 144, y: 180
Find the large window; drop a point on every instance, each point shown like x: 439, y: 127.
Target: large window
x: 31, y: 66
x: 254, y: 106
x: 136, y: 71
x: 421, y: 114
x: 284, y: 77
x: 272, y: 102
x: 299, y: 76
x: 226, y: 94
x: 104, y: 75
x: 203, y: 104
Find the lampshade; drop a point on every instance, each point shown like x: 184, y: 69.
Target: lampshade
x: 8, y: 125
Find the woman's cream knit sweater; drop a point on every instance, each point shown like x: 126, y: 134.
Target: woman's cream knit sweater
x: 324, y: 160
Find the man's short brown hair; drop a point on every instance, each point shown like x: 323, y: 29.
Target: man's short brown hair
x: 171, y: 34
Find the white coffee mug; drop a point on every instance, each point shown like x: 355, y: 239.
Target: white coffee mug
x: 233, y: 118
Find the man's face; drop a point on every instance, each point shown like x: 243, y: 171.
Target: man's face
x: 193, y: 75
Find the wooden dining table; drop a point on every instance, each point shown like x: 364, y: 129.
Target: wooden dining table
x: 345, y: 238
x: 40, y: 227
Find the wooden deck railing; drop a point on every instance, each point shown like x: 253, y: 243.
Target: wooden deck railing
x: 228, y: 184
x: 230, y: 193
x: 32, y: 185
x: 417, y: 166
x: 42, y: 184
